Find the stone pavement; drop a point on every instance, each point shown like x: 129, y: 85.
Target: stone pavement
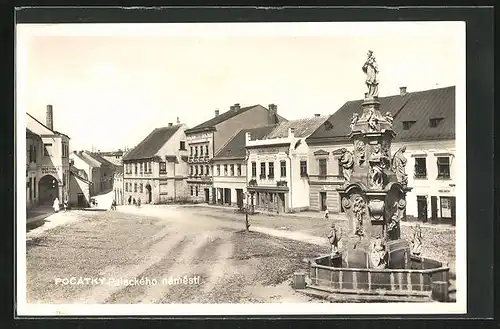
x: 38, y: 214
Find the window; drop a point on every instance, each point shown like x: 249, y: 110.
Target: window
x: 135, y: 187
x: 225, y: 170
x: 34, y: 187
x: 434, y: 122
x: 196, y: 151
x: 232, y: 170
x: 271, y: 170
x: 141, y: 169
x: 207, y: 170
x: 238, y: 169
x: 135, y: 168
x: 254, y: 169
x: 196, y: 190
x: 206, y: 150
x: 283, y: 168
x: 163, y: 167
x: 201, y: 151
x: 303, y: 168
x: 47, y: 150
x: 64, y: 179
x: 151, y: 166
x: 420, y: 168
x: 218, y: 170
x: 191, y: 152
x: 29, y: 186
x: 443, y: 164
x: 322, y: 167
x: 262, y: 170
x: 126, y: 187
x: 446, y: 205
x: 192, y: 191
x: 182, y: 145
x: 141, y: 189
x: 196, y: 170
x: 190, y: 170
x: 407, y: 124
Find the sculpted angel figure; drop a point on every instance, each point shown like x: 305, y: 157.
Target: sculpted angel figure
x: 389, y: 118
x: 416, y: 241
x: 376, y: 167
x: 354, y: 120
x: 347, y: 162
x: 370, y: 68
x: 399, y: 165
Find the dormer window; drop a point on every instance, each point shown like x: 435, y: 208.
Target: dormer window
x: 407, y: 124
x: 434, y: 122
x: 328, y: 125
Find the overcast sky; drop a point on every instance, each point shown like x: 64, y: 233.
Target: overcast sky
x: 111, y: 85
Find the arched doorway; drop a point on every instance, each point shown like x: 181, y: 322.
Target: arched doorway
x: 150, y: 196
x: 47, y: 189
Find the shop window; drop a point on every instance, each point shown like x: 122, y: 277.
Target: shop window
x: 446, y: 207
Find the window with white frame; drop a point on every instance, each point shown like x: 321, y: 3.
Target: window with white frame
x: 443, y: 166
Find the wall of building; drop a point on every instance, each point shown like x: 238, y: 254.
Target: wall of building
x: 32, y: 171
x: 299, y: 186
x: 232, y: 180
x: 256, y: 117
x: 78, y: 186
x: 56, y: 163
x: 118, y: 188
x: 200, y: 139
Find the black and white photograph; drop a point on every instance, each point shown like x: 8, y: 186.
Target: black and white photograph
x: 241, y: 168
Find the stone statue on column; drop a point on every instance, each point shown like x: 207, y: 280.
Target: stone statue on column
x: 370, y: 68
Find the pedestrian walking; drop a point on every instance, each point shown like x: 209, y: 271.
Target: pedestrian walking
x: 55, y: 205
x: 134, y: 202
x: 113, y: 205
x: 65, y: 205
x: 129, y: 199
x: 138, y: 202
x: 326, y: 213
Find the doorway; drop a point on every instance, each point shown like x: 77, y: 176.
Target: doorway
x: 281, y: 202
x: 47, y: 189
x: 422, y: 208
x: 434, y: 209
x: 150, y: 196
x: 207, y: 195
x: 81, y: 200
x: 322, y: 200
x: 239, y: 198
x: 214, y: 195
x: 227, y: 196
x: 453, y: 210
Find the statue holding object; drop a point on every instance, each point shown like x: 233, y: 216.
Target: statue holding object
x: 399, y: 165
x: 334, y: 238
x: 370, y: 68
x: 416, y: 241
x: 346, y: 160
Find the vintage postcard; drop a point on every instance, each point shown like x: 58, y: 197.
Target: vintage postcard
x: 241, y: 168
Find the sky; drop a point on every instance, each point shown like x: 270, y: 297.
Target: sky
x: 111, y: 85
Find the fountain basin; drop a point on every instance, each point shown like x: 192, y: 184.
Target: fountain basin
x: 418, y: 280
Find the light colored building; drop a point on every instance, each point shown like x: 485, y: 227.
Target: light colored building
x: 118, y: 186
x: 98, y: 170
x: 229, y: 167
x: 424, y: 121
x: 52, y: 167
x: 277, y: 175
x: 80, y: 188
x: 34, y: 147
x: 207, y: 138
x: 156, y: 170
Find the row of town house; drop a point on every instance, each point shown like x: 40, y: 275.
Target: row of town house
x: 281, y: 165
x: 52, y: 171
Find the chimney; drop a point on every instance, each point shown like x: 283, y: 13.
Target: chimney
x: 236, y: 107
x: 216, y: 112
x: 50, y: 118
x: 402, y: 91
x: 317, y: 115
x: 178, y: 121
x: 273, y: 114
x: 170, y: 124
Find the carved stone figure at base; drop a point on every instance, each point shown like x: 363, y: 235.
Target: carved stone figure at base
x: 389, y: 118
x: 416, y: 241
x: 399, y: 165
x: 334, y: 237
x: 378, y: 253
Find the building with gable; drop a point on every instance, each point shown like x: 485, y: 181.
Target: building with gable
x: 156, y: 170
x: 277, y: 176
x: 115, y: 157
x: 80, y: 188
x: 207, y: 138
x: 47, y: 166
x: 424, y: 121
x: 229, y: 167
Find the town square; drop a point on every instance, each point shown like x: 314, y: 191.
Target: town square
x: 244, y: 202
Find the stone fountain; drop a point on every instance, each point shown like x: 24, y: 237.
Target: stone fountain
x: 373, y: 197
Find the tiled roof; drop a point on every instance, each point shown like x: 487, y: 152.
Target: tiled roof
x: 102, y: 160
x: 152, y: 143
x: 235, y: 147
x: 31, y: 134
x: 85, y: 156
x: 44, y: 126
x: 226, y: 116
x: 420, y: 106
x: 302, y: 127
